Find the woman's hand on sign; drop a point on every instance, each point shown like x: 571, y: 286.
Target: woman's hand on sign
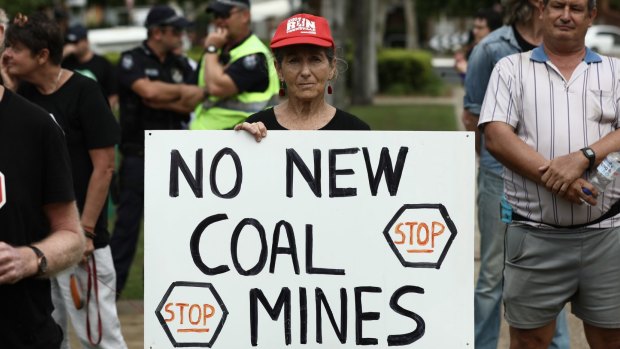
x: 256, y: 129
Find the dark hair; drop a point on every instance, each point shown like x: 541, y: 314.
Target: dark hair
x: 493, y: 18
x: 37, y: 32
x: 280, y: 52
x: 591, y: 4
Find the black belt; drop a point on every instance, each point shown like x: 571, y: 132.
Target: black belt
x: 613, y: 210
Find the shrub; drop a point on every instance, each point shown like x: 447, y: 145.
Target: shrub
x: 403, y: 72
x: 407, y: 72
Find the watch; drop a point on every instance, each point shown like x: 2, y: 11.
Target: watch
x: 590, y: 155
x: 42, y: 260
x: 211, y: 49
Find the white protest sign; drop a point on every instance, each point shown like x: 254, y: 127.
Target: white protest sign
x: 309, y: 239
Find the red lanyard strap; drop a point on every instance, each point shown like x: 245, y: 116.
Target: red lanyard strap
x: 92, y: 283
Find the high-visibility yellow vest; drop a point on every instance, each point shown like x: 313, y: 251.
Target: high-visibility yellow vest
x: 224, y: 113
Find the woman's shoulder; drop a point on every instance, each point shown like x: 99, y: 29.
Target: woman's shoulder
x: 267, y: 117
x: 262, y: 116
x: 345, y: 121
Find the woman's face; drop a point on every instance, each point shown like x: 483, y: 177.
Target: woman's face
x: 305, y: 69
x: 19, y: 60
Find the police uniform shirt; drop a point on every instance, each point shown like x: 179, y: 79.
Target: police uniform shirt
x: 138, y: 63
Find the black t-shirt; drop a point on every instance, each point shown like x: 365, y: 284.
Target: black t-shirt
x: 88, y: 123
x: 249, y: 73
x: 342, y: 121
x: 97, y: 68
x: 136, y: 117
x: 35, y: 170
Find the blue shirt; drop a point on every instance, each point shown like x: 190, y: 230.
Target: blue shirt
x: 495, y: 46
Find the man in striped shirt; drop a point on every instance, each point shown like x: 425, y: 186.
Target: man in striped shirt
x: 550, y: 116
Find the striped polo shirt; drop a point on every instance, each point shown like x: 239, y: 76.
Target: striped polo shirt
x: 555, y: 117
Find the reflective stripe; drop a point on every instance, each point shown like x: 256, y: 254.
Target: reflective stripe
x: 233, y: 104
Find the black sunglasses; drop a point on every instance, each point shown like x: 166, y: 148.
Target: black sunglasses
x: 220, y: 15
x: 173, y: 29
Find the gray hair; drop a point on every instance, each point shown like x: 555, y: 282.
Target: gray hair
x: 591, y: 4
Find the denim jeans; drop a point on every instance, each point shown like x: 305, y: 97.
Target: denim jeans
x: 488, y: 293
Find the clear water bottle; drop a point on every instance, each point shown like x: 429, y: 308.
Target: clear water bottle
x: 606, y: 171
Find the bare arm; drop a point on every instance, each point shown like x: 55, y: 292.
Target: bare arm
x: 97, y: 191
x: 190, y: 97
x: 563, y: 170
x: 157, y: 91
x: 217, y: 82
x: 512, y: 152
x: 63, y: 247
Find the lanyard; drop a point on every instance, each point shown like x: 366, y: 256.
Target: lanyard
x: 92, y: 283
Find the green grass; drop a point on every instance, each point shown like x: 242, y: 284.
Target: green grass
x: 392, y: 117
x: 407, y: 117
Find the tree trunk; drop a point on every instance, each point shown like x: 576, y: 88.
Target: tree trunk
x: 411, y: 24
x: 365, y: 57
x: 335, y: 13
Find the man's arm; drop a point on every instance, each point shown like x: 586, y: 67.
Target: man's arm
x: 504, y: 144
x: 62, y: 248
x: 563, y: 170
x: 160, y: 93
x: 513, y: 153
x: 217, y: 82
x: 190, y: 97
x: 97, y: 191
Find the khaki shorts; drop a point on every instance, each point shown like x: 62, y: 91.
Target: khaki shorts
x: 546, y: 268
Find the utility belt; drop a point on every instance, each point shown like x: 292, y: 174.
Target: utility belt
x: 508, y: 216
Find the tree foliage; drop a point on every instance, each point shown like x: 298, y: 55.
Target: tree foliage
x: 24, y: 6
x: 451, y: 7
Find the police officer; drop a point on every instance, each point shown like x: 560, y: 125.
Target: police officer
x: 236, y: 71
x: 152, y: 81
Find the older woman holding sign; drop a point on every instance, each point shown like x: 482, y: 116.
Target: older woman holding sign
x: 305, y: 60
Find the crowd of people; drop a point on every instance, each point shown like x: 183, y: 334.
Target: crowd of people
x: 543, y: 106
x: 70, y: 133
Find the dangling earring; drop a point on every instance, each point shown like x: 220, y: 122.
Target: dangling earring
x: 329, y: 89
x: 282, y: 91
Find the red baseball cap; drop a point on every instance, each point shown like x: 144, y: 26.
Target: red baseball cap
x: 303, y: 29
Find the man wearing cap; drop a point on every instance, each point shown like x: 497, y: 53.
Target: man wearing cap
x: 78, y: 56
x: 152, y: 80
x: 236, y: 70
